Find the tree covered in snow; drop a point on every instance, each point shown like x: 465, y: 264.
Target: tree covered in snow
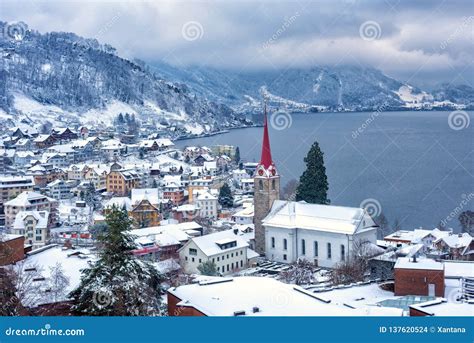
x: 118, y: 284
x: 225, y: 196
x: 313, y: 186
x: 58, y: 283
x: 208, y: 268
x: 300, y: 272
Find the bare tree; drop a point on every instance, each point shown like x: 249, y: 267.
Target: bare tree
x: 25, y: 278
x: 10, y: 305
x: 58, y: 283
x: 354, y: 268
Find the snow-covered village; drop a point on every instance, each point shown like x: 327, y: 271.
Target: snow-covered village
x: 101, y: 222
x: 291, y: 166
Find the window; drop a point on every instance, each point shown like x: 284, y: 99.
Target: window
x: 285, y: 244
x: 329, y: 250
x: 192, y: 259
x: 241, y: 252
x: 284, y: 257
x: 192, y: 251
x: 232, y: 265
x: 260, y: 185
x: 273, y: 184
x: 241, y: 263
x: 227, y: 267
x: 232, y: 255
x: 199, y: 260
x: 217, y: 258
x: 273, y: 242
x: 316, y: 249
x: 343, y: 252
x: 303, y: 247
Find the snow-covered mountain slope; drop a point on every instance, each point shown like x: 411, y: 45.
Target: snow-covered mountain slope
x: 61, y: 77
x: 347, y: 88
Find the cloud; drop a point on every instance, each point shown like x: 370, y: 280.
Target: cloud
x: 431, y: 40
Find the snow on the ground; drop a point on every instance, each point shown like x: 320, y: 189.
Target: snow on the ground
x: 28, y: 106
x: 405, y: 93
x: 154, y: 108
x: 194, y: 128
x: 107, y: 114
x: 357, y: 295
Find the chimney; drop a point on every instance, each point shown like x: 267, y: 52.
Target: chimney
x: 414, y: 258
x: 236, y: 231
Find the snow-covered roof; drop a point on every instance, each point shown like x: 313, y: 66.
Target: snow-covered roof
x: 262, y: 296
x: 210, y: 244
x: 16, y: 181
x: 421, y: 263
x: 120, y: 202
x: 245, y: 212
x: 204, y: 195
x: 26, y: 199
x: 458, y: 269
x: 40, y: 216
x: 457, y: 240
x: 5, y: 237
x: 441, y: 307
x: 337, y: 219
x: 150, y: 194
x: 416, y: 235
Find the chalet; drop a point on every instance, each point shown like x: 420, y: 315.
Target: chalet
x: 34, y: 226
x: 145, y: 214
x: 44, y: 141
x: 456, y: 246
x: 63, y: 134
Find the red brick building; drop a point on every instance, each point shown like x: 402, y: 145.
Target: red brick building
x: 12, y: 249
x: 419, y: 277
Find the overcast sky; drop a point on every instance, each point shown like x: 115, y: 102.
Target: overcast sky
x: 423, y: 42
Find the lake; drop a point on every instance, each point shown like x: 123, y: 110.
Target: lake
x: 417, y: 167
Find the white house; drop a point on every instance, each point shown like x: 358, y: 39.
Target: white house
x: 244, y: 216
x: 226, y: 249
x: 207, y: 204
x: 320, y: 233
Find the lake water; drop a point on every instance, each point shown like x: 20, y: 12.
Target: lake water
x: 415, y: 166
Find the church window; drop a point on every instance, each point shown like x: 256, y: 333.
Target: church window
x: 273, y: 184
x: 260, y: 185
x: 303, y: 247
x: 316, y: 249
x: 273, y: 242
x: 329, y: 250
x: 343, y: 252
x: 285, y: 244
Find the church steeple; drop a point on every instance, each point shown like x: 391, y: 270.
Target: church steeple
x: 266, y: 167
x: 266, y: 188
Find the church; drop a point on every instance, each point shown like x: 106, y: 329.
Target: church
x: 286, y: 231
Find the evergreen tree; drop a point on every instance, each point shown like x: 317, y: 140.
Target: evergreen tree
x: 466, y: 219
x: 225, y: 196
x: 118, y: 284
x: 208, y: 268
x: 313, y: 186
x: 237, y: 155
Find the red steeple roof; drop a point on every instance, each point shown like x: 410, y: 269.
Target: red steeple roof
x: 266, y: 159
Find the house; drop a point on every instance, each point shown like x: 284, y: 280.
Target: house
x: 456, y: 246
x: 185, y: 213
x: 97, y: 175
x: 320, y: 233
x: 10, y: 188
x: 426, y: 237
x: 60, y: 189
x: 200, y: 159
x: 112, y: 149
x: 207, y: 204
x: 419, y: 276
x: 63, y: 134
x: 145, y: 213
x: 239, y: 174
x: 30, y: 201
x: 121, y: 182
x: 12, y: 248
x: 44, y: 141
x: 247, y: 185
x: 226, y: 249
x: 174, y: 193
x: 119, y: 202
x: 45, y: 173
x: 256, y: 297
x: 34, y: 226
x: 23, y: 144
x: 151, y: 194
x: 244, y: 216
x: 223, y: 161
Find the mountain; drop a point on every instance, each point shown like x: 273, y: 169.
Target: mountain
x: 341, y: 88
x: 63, y: 78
